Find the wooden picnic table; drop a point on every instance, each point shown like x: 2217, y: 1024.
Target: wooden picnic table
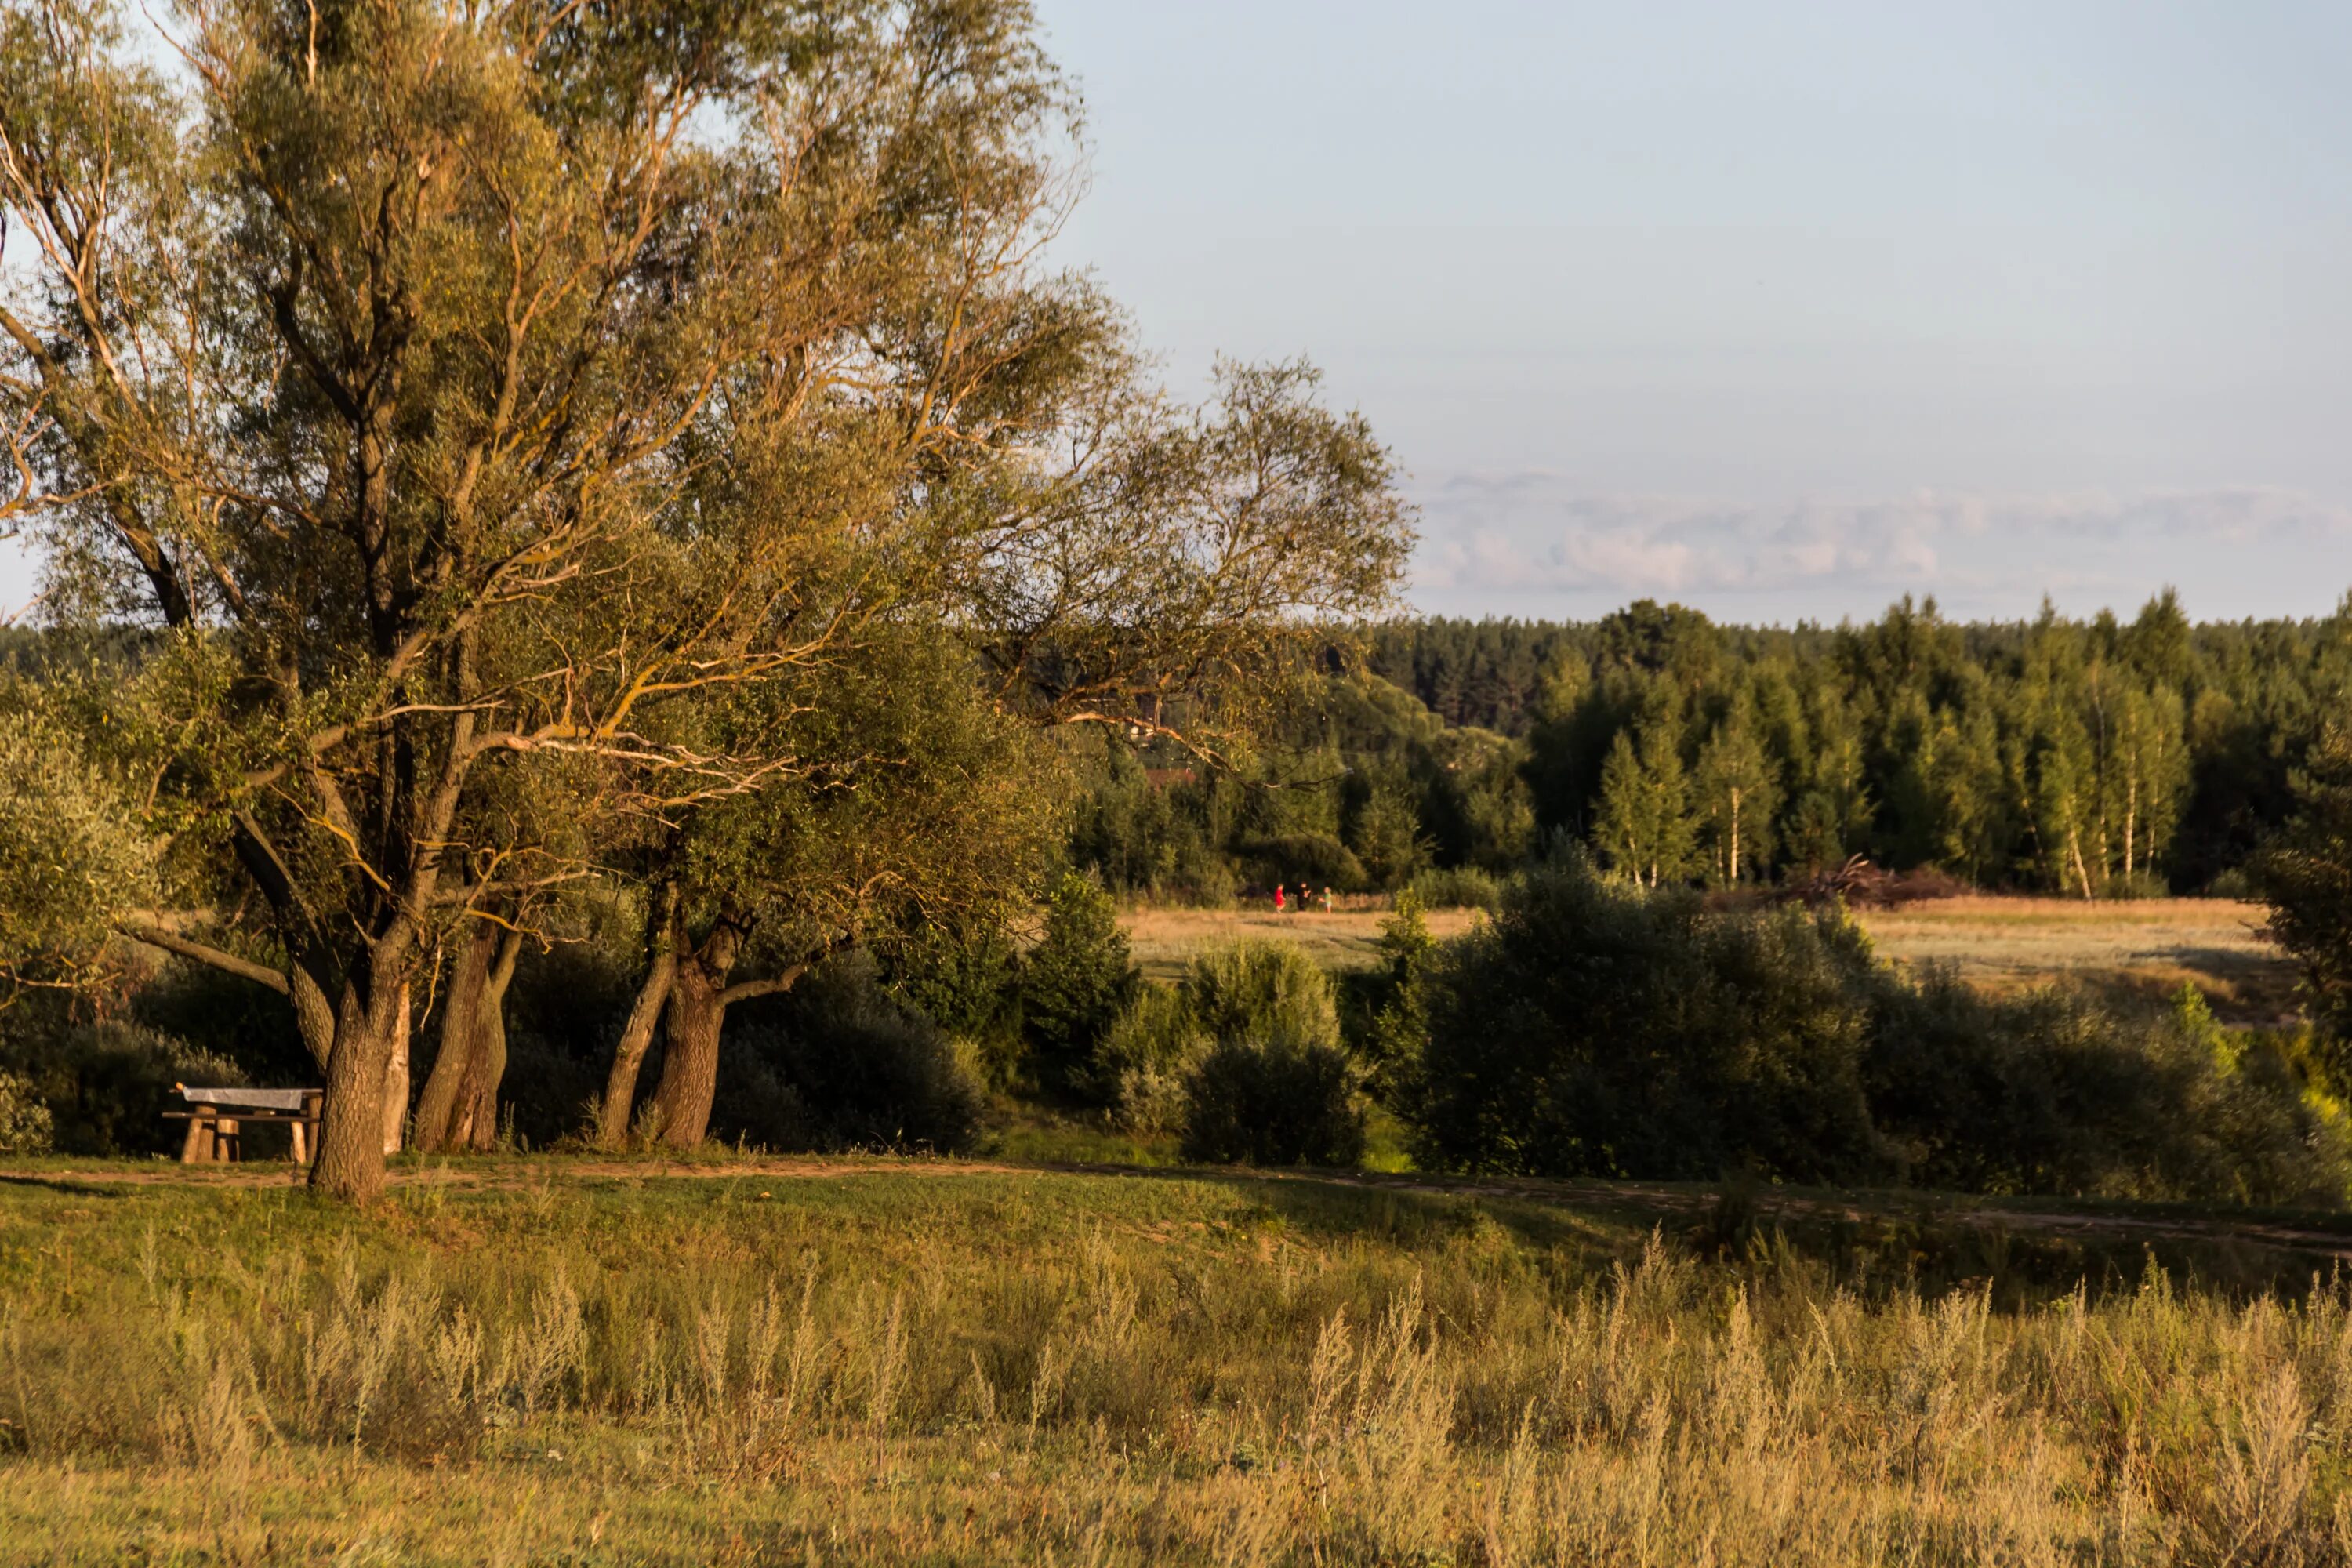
x: 216, y: 1118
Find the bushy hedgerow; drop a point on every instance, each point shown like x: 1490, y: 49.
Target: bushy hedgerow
x: 1592, y: 1029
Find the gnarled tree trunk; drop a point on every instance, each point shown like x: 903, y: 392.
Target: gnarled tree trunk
x: 460, y: 1013
x: 351, y: 1130
x: 699, y: 997
x: 697, y: 1009
x: 475, y: 1123
x: 459, y: 1108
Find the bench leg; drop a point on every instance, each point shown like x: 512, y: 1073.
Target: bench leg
x: 196, y: 1149
x: 299, y: 1142
x: 229, y: 1142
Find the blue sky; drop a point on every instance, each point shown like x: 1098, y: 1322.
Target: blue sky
x: 1780, y: 311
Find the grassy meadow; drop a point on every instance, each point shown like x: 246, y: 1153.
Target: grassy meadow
x: 2141, y: 948
x: 567, y: 1361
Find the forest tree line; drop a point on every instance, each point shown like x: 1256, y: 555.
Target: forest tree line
x: 2092, y: 758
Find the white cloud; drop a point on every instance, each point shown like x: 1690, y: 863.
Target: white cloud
x: 1509, y: 542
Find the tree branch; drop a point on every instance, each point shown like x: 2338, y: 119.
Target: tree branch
x: 743, y: 991
x: 244, y: 968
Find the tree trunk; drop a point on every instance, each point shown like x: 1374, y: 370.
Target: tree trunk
x: 475, y: 1124
x: 395, y: 1075
x: 351, y: 1130
x: 314, y: 1015
x: 1734, y: 838
x: 663, y: 939
x: 690, y: 1077
x: 460, y: 1015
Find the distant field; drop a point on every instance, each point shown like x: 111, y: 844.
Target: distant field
x: 1165, y: 939
x: 2144, y: 946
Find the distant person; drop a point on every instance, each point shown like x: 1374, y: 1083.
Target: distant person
x: 1277, y: 897
x: 1327, y: 900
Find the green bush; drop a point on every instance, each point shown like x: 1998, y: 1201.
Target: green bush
x: 1073, y: 985
x: 840, y: 1063
x: 1457, y: 887
x: 106, y: 1085
x: 1275, y: 1087
x: 25, y: 1124
x: 1146, y: 1058
x: 1592, y: 1029
x: 1274, y: 1102
x: 1259, y: 989
x: 966, y: 981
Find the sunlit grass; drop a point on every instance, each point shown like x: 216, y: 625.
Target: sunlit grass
x: 593, y: 1362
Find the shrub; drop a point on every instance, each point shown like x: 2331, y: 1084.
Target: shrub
x: 106, y: 1085
x: 1592, y: 1029
x: 1275, y: 1086
x: 966, y: 981
x: 1073, y: 984
x: 1457, y: 887
x: 1274, y: 1102
x: 25, y: 1124
x: 1147, y: 1057
x: 839, y: 1063
x: 1256, y: 990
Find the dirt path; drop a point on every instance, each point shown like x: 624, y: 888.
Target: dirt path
x: 2280, y: 1233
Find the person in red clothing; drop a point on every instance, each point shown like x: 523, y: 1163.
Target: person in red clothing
x: 1277, y: 897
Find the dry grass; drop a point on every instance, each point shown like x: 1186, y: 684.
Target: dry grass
x: 1165, y: 941
x: 2147, y: 947
x: 2142, y: 947
x: 1085, y: 1370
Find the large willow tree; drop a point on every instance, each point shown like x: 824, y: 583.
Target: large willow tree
x: 477, y: 393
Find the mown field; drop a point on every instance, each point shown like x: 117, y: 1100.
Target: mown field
x: 549, y: 1361
x: 2147, y: 947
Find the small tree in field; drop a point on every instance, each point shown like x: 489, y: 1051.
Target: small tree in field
x: 1075, y: 984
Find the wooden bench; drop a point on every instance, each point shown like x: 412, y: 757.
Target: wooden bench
x: 216, y: 1120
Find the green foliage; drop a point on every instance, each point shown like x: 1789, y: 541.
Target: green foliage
x: 966, y: 979
x: 2049, y: 755
x: 25, y: 1125
x: 72, y: 858
x: 1275, y: 1086
x: 1595, y: 1029
x: 1274, y: 1102
x: 1261, y: 990
x: 2305, y: 874
x: 1386, y: 836
x: 1147, y: 1057
x: 1075, y: 982
x: 106, y: 1085
x: 1459, y: 888
x: 840, y: 1063
x: 1400, y: 1020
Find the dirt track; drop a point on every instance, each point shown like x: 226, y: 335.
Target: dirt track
x: 2267, y: 1233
